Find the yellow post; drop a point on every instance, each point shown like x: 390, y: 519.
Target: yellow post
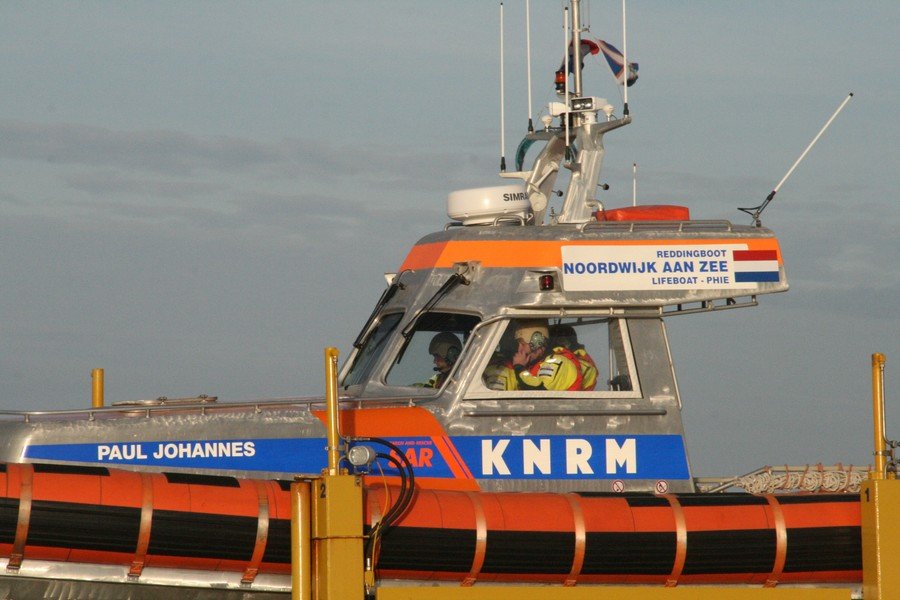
x: 880, y: 520
x: 301, y: 542
x: 881, y: 449
x: 338, y: 537
x: 333, y: 416
x: 880, y: 508
x: 97, y: 388
x: 337, y: 512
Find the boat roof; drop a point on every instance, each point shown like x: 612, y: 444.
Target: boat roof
x: 637, y: 263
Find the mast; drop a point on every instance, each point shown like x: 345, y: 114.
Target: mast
x: 576, y: 46
x: 580, y: 198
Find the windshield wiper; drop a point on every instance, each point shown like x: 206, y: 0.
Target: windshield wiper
x: 386, y: 296
x: 453, y: 281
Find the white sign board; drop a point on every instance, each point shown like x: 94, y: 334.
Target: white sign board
x: 666, y: 267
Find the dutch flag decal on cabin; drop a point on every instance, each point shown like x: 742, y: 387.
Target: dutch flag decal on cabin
x: 755, y: 266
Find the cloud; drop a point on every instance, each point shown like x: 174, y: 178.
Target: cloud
x: 111, y: 183
x: 289, y: 191
x: 165, y: 152
x: 117, y: 156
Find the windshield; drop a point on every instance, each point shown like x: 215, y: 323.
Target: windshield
x: 371, y: 349
x: 432, y: 349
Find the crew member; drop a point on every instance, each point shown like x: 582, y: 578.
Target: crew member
x: 500, y: 374
x: 565, y: 336
x: 539, y: 366
x: 445, y: 348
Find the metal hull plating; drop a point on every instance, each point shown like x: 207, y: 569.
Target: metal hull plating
x: 51, y: 579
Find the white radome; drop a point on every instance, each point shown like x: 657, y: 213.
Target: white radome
x: 482, y: 206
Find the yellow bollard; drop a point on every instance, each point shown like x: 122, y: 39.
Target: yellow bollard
x: 333, y: 415
x: 880, y: 442
x: 97, y: 388
x: 880, y: 507
x: 337, y: 512
x: 301, y: 541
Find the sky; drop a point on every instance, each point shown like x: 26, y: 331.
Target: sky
x: 199, y: 197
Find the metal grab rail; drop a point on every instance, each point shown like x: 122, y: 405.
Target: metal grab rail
x: 131, y: 409
x: 257, y: 406
x: 679, y: 226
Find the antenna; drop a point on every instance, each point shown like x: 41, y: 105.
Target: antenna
x: 502, y: 101
x: 756, y: 211
x: 625, y: 67
x: 634, y: 184
x: 528, y: 59
x: 566, y: 69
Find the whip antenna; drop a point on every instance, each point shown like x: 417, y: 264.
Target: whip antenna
x: 502, y: 100
x: 566, y: 69
x: 634, y: 184
x: 756, y: 211
x: 528, y: 60
x: 626, y: 70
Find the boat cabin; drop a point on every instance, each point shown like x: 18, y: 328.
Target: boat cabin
x: 600, y: 289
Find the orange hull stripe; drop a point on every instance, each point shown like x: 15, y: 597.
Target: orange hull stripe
x: 537, y: 254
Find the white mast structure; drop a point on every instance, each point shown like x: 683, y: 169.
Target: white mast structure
x: 580, y: 199
x: 575, y: 143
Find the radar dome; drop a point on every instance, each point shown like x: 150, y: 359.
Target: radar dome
x: 484, y: 205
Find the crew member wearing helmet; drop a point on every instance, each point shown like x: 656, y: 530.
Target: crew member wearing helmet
x: 538, y: 366
x: 499, y: 374
x: 445, y: 348
x: 565, y: 336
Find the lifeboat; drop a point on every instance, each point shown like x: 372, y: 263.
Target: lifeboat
x: 576, y: 473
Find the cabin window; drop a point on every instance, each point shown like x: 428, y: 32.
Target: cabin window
x: 372, y: 348
x: 431, y: 351
x: 584, y: 354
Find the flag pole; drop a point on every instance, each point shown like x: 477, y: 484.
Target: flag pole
x: 576, y: 46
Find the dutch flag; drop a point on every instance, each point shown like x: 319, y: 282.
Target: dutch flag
x: 755, y: 266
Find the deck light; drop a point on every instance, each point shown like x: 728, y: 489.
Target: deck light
x: 359, y: 456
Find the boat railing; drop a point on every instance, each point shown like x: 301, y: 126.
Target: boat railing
x: 148, y: 408
x: 677, y: 226
x: 159, y: 407
x: 512, y: 219
x: 790, y: 479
